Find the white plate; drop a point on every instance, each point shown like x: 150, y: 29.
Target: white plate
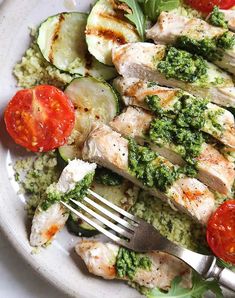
x: 58, y: 264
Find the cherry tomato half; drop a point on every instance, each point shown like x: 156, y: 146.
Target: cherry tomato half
x: 40, y: 119
x: 221, y: 232
x: 207, y: 5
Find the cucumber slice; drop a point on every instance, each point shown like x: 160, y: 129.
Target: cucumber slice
x: 124, y: 196
x: 106, y: 28
x: 94, y: 100
x: 61, y: 40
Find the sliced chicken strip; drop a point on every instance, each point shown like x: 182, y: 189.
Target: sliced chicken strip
x: 100, y: 259
x: 170, y: 27
x: 140, y: 60
x: 109, y: 149
x: 47, y: 222
x: 214, y: 169
x: 134, y: 92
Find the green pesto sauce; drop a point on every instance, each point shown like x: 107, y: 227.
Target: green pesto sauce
x: 212, y: 120
x: 78, y: 192
x: 142, y: 163
x: 107, y: 177
x: 181, y: 65
x: 179, y: 126
x: 210, y: 48
x: 128, y: 262
x: 217, y: 18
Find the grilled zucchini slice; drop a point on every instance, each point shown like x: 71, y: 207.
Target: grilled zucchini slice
x: 124, y: 196
x: 61, y: 40
x: 94, y: 100
x: 106, y: 28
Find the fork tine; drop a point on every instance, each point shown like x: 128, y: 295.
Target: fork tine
x: 95, y: 225
x: 110, y: 214
x: 114, y: 207
x: 103, y: 220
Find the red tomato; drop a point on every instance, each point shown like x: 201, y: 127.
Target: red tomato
x: 40, y: 119
x: 207, y: 5
x: 221, y: 232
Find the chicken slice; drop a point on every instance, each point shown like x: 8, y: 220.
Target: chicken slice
x: 48, y: 222
x: 214, y: 169
x: 140, y: 60
x: 134, y: 91
x: 109, y: 149
x: 100, y: 259
x: 171, y: 26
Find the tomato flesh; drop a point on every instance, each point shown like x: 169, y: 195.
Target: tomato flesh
x: 40, y: 119
x: 221, y: 232
x: 208, y: 5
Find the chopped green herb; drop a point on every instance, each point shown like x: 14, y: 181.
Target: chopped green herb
x: 180, y: 127
x: 217, y: 18
x: 212, y: 118
x: 226, y: 41
x: 153, y: 101
x: 128, y: 262
x: 191, y: 113
x: 151, y: 170
x: 206, y: 47
x: 107, y: 177
x: 78, y: 192
x: 164, y: 131
x: 183, y: 66
x: 210, y: 48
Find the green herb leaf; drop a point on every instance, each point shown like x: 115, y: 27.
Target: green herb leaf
x: 136, y: 17
x: 217, y: 18
x: 152, y: 8
x: 199, y: 288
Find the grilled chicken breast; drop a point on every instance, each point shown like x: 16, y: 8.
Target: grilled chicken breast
x: 214, y: 169
x: 140, y: 60
x: 47, y: 223
x: 134, y: 92
x: 109, y: 149
x: 171, y: 26
x: 100, y: 259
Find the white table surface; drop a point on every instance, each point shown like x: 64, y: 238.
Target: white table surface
x: 18, y: 279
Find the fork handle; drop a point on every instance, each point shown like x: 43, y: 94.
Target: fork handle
x: 224, y: 276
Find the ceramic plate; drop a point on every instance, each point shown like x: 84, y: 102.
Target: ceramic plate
x: 58, y: 263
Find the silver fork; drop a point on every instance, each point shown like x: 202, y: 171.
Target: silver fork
x: 138, y: 235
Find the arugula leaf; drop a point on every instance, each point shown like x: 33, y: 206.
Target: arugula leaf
x: 152, y: 8
x: 136, y: 17
x: 199, y: 288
